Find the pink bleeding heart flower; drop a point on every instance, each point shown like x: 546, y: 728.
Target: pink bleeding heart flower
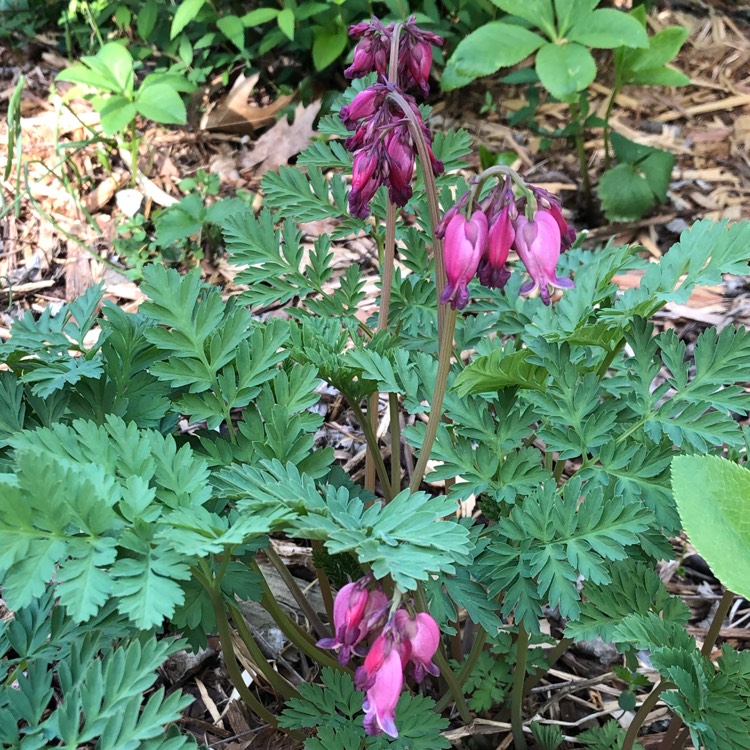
x: 538, y: 244
x: 463, y: 248
x: 382, y: 676
x: 493, y: 272
x: 423, y: 636
x: 354, y: 613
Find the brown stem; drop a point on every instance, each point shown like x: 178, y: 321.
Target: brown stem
x: 372, y: 442
x: 324, y: 583
x: 294, y: 589
x: 395, y: 416
x: 436, y: 406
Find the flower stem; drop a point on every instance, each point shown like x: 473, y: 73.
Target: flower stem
x: 432, y: 203
x: 467, y: 668
x: 533, y: 679
x: 230, y: 660
x: 607, y: 129
x: 575, y: 115
x: 454, y: 686
x: 285, y: 689
x: 372, y: 442
x: 324, y: 583
x: 436, y: 406
x: 300, y: 638
x: 519, y: 678
x: 395, y: 443
x: 640, y: 716
x: 295, y: 591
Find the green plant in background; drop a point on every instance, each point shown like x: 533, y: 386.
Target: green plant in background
x: 565, y: 67
x: 110, y: 85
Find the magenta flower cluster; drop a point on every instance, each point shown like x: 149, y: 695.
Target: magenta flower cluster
x: 382, y: 143
x: 414, y: 52
x: 396, y: 639
x: 479, y: 244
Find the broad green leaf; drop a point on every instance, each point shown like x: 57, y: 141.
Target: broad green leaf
x: 662, y: 48
x: 712, y: 497
x: 259, y: 16
x: 607, y: 28
x: 625, y: 193
x: 538, y: 13
x: 117, y: 60
x: 498, y: 370
x: 147, y: 19
x: 328, y: 45
x: 565, y: 69
x: 186, y: 12
x: 662, y: 76
x: 233, y: 29
x: 570, y: 12
x: 491, y: 47
x: 161, y: 103
x: 286, y: 23
x: 117, y: 112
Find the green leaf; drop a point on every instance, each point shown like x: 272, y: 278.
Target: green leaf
x: 491, y: 47
x: 115, y: 58
x: 286, y: 23
x: 538, y: 13
x: 663, y: 76
x: 259, y: 16
x: 712, y: 498
x: 551, y: 538
x: 625, y: 193
x: 116, y: 113
x: 634, y: 588
x: 565, y: 69
x: 328, y: 45
x: 233, y: 29
x: 161, y: 103
x: 607, y: 28
x: 146, y: 20
x: 186, y: 12
x: 498, y: 370
x: 570, y: 12
x: 332, y: 704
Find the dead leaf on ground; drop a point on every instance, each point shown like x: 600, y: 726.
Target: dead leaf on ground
x: 235, y: 114
x: 276, y: 146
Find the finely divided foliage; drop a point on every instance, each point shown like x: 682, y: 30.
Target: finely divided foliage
x: 146, y: 458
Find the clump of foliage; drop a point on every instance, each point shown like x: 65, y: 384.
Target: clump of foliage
x: 561, y: 414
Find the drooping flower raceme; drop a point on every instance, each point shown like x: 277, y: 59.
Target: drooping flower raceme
x: 395, y: 642
x: 383, y: 142
x: 532, y: 224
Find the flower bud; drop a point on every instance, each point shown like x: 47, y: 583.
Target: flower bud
x: 493, y: 272
x: 400, y: 154
x: 365, y: 181
x: 463, y: 248
x: 538, y: 243
x: 365, y: 104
